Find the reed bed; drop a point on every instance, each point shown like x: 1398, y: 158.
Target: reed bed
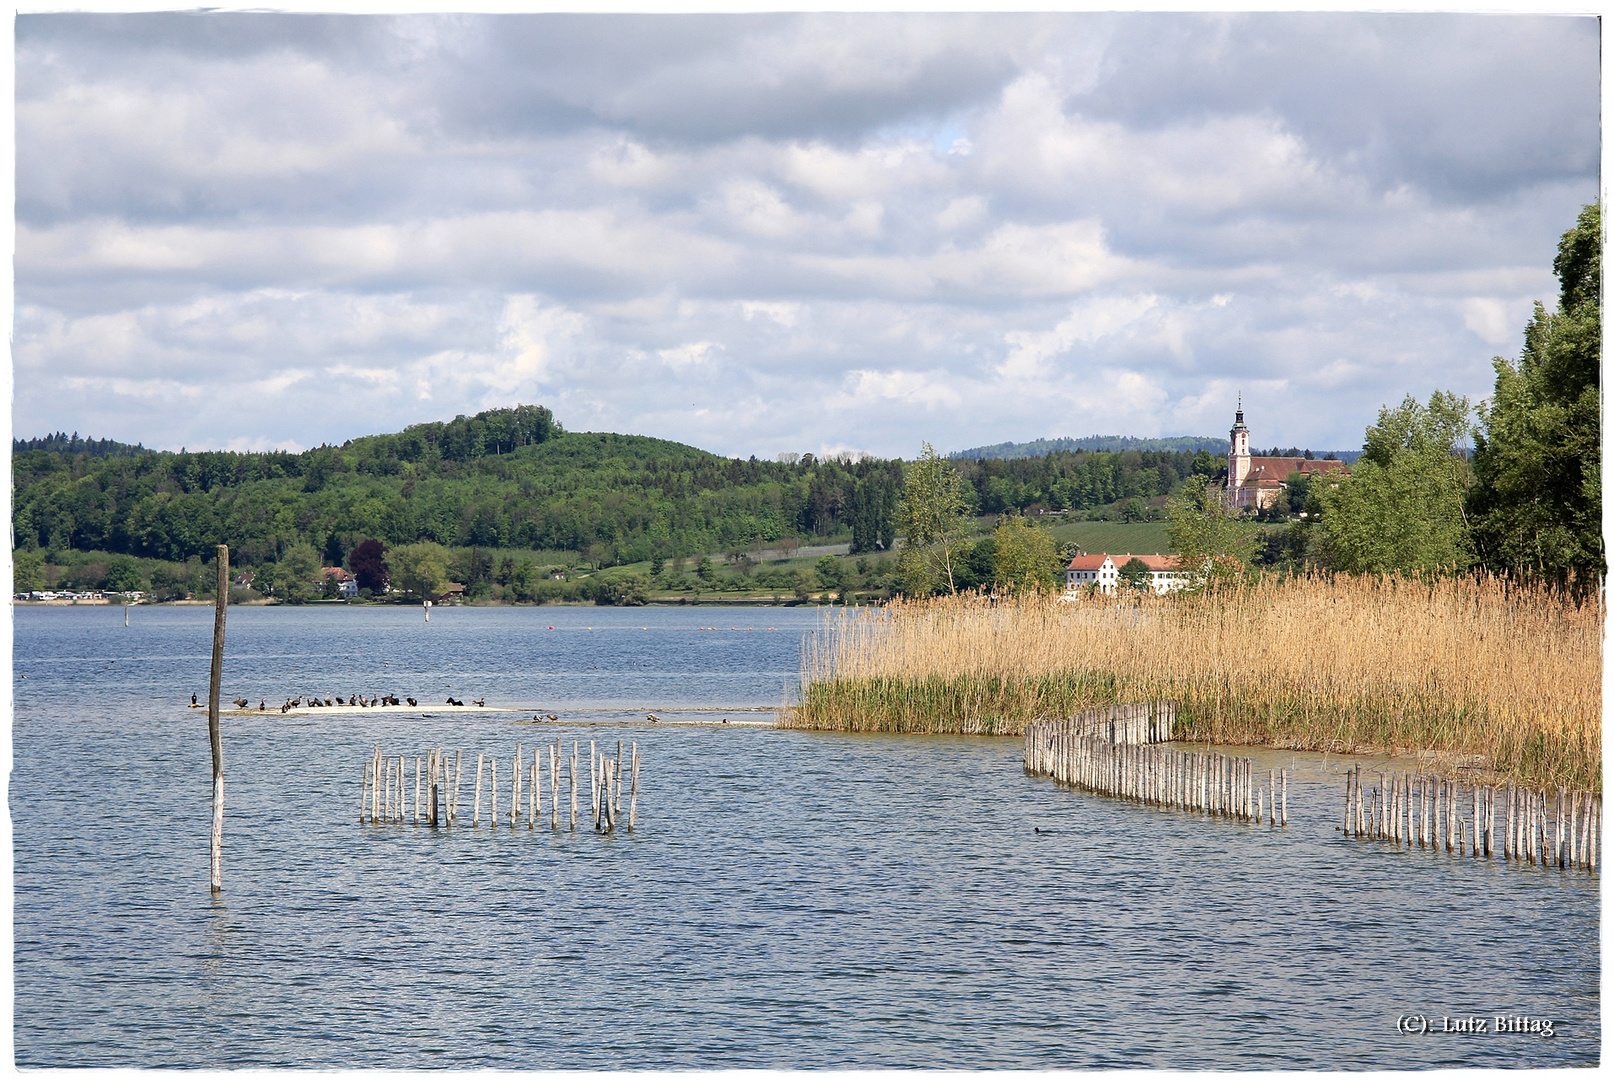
x: 1476, y: 668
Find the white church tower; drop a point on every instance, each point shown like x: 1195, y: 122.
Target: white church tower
x: 1238, y: 457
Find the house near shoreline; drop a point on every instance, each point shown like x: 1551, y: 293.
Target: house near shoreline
x: 346, y: 584
x: 1103, y: 571
x: 1254, y: 482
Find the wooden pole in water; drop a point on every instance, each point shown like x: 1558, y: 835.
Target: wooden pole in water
x: 364, y: 791
x: 535, y: 799
x: 454, y: 804
x: 493, y: 785
x: 1558, y: 830
x: 1283, y: 819
x: 515, y: 788
x: 1574, y: 823
x: 417, y: 790
x: 633, y: 797
x: 574, y: 785
x: 1509, y: 846
x: 476, y: 811
x: 554, y: 786
x: 215, y: 736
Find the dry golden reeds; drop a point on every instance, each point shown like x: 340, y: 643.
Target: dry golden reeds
x: 1460, y: 667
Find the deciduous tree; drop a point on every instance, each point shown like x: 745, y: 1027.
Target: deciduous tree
x: 932, y: 517
x: 1537, y: 498
x: 1211, y: 540
x: 369, y: 565
x: 1402, y: 509
x: 1026, y: 557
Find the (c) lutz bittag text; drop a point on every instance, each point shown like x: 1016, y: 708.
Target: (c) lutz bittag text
x: 1417, y: 1024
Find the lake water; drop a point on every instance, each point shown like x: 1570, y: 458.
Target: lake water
x: 789, y: 899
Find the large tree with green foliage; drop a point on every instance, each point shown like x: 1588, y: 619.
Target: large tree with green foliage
x: 1402, y: 508
x: 1026, y: 558
x: 1211, y: 539
x: 1537, y: 498
x: 933, y: 516
x: 420, y: 568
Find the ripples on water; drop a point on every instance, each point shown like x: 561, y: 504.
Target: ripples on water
x: 790, y: 899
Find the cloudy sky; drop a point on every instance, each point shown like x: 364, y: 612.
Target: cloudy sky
x: 775, y: 233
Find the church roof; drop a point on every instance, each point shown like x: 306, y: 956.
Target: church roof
x: 1277, y: 469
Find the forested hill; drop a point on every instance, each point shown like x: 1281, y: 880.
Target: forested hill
x: 1186, y: 444
x: 514, y: 478
x: 504, y: 478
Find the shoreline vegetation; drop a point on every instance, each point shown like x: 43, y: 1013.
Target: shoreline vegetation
x: 1486, y: 675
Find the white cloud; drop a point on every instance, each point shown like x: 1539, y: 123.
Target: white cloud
x: 685, y: 357
x: 357, y: 224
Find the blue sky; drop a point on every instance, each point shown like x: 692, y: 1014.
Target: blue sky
x: 777, y: 233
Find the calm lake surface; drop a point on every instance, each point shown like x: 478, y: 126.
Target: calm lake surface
x: 789, y: 899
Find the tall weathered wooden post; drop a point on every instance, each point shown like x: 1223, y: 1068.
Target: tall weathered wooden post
x: 213, y: 736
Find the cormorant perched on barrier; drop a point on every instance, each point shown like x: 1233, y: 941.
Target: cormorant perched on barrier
x: 193, y: 702
x: 479, y: 702
x: 551, y: 716
x: 240, y: 702
x: 410, y: 700
x: 260, y: 704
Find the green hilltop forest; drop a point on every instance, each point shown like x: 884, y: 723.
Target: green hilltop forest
x: 510, y: 479
x: 510, y: 485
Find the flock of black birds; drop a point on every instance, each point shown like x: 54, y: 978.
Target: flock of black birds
x: 313, y: 701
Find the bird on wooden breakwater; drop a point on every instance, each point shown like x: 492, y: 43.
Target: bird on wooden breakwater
x: 551, y: 716
x: 193, y: 702
x: 653, y: 718
x: 240, y: 702
x: 410, y: 700
x: 479, y: 702
x: 260, y: 705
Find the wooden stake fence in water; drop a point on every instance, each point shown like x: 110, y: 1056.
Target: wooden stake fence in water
x: 215, y: 737
x: 384, y: 793
x: 1208, y: 783
x: 1537, y: 828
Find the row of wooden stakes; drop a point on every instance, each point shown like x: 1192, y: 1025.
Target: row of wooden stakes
x: 384, y: 794
x: 1207, y: 783
x: 1426, y: 811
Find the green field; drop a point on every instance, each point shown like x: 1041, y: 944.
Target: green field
x: 1116, y: 537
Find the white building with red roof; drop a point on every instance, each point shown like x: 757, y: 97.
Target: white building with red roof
x: 1104, y: 572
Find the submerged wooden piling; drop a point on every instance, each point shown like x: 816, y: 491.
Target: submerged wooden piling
x: 1214, y: 784
x: 1537, y: 828
x: 215, y: 736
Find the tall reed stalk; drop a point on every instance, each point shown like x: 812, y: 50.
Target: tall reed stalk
x: 1466, y: 666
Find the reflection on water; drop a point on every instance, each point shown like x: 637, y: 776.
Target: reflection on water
x: 789, y: 898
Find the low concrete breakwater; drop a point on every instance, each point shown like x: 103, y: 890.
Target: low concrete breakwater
x: 384, y: 796
x: 1111, y: 752
x: 1518, y: 824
